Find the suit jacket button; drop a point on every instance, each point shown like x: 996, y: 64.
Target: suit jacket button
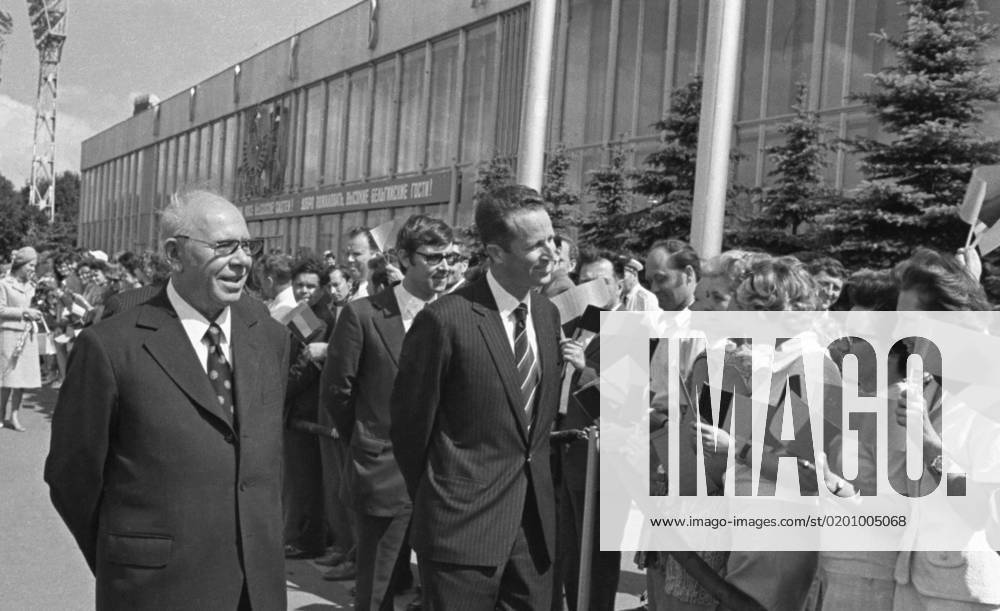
x: 527, y: 458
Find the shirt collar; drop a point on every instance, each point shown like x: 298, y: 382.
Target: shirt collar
x: 409, y: 304
x: 194, y: 323
x: 506, y: 302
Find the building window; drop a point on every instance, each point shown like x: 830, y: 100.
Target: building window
x: 654, y: 53
x: 307, y: 233
x: 583, y: 106
x: 382, y: 144
x: 444, y: 102
x: 479, y: 99
x: 329, y: 233
x: 333, y: 162
x: 691, y: 20
x: 313, y: 134
x: 791, y: 53
x: 171, y: 174
x: 217, y: 151
x: 377, y: 217
x: 229, y: 157
x: 204, y: 153
x: 753, y: 54
x: 411, y: 112
x: 625, y: 69
x: 357, y: 124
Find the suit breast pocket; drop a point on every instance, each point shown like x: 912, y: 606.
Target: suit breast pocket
x: 148, y: 551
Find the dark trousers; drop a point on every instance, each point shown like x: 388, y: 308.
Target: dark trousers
x: 523, y: 583
x: 383, y: 560
x: 339, y: 514
x: 302, y: 493
x: 604, y: 567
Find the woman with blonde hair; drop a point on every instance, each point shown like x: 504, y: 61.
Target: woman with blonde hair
x: 19, y: 366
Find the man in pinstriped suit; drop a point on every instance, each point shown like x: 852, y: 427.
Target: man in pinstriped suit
x: 472, y: 406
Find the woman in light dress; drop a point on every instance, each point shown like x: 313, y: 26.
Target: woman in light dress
x: 19, y: 365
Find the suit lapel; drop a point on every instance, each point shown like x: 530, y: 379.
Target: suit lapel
x: 246, y: 367
x: 498, y: 345
x: 388, y: 323
x: 170, y: 348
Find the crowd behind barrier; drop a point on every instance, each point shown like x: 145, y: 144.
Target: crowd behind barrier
x: 346, y: 502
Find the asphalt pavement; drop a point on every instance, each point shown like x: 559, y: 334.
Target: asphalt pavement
x: 42, y: 569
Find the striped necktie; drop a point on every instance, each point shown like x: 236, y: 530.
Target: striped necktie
x: 220, y: 374
x: 527, y: 365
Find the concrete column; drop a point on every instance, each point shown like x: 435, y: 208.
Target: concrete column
x: 718, y: 102
x: 534, y: 116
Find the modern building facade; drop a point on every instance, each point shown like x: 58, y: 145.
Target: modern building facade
x: 368, y: 116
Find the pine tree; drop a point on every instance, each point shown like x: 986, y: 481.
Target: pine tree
x: 610, y: 225
x: 798, y: 190
x: 667, y: 176
x: 563, y: 203
x: 930, y: 103
x: 496, y: 172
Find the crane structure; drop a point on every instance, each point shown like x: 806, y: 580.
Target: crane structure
x: 6, y: 25
x: 48, y: 26
x: 48, y: 23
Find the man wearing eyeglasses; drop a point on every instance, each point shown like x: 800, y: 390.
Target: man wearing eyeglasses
x: 165, y: 460
x: 355, y: 388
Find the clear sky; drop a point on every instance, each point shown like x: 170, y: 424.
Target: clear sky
x: 116, y: 48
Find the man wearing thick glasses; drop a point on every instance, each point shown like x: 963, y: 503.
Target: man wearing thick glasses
x: 355, y: 388
x: 165, y: 460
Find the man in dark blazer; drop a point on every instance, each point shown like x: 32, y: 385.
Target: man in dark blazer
x: 472, y: 407
x: 165, y: 461
x: 357, y: 386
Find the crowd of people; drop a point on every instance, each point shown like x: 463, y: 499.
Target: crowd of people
x: 417, y: 408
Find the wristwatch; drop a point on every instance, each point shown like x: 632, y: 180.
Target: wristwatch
x: 936, y: 466
x: 743, y: 455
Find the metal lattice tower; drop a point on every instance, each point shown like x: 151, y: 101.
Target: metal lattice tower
x: 48, y: 23
x: 6, y: 24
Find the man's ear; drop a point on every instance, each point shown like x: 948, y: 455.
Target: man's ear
x: 405, y: 259
x: 494, y: 252
x: 171, y: 249
x: 690, y: 275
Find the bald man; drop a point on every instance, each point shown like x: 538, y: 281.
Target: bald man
x: 165, y: 460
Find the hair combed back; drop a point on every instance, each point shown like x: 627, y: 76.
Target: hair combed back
x: 422, y: 230
x: 495, y: 209
x: 682, y: 254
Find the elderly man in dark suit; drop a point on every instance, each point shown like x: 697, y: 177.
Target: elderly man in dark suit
x: 165, y: 460
x: 472, y: 406
x: 357, y: 385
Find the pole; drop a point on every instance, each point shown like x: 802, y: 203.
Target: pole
x: 589, y: 507
x: 718, y: 100
x: 534, y: 117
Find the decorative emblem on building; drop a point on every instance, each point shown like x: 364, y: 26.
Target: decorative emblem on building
x: 265, y: 151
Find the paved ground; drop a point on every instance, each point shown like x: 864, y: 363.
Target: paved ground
x: 41, y: 568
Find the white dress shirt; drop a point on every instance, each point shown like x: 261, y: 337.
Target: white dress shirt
x: 409, y: 306
x: 195, y: 326
x: 362, y: 291
x: 507, y: 303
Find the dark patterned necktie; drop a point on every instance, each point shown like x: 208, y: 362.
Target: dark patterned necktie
x: 527, y: 365
x: 220, y: 374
